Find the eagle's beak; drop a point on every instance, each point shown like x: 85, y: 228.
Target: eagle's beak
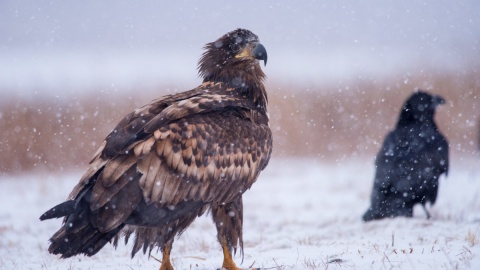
x: 254, y: 50
x: 259, y: 52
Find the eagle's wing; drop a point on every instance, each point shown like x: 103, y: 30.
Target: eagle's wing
x: 205, y: 145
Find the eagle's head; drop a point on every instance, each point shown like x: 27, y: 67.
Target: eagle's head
x: 420, y: 107
x: 233, y: 59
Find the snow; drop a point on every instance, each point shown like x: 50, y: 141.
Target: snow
x: 301, y: 214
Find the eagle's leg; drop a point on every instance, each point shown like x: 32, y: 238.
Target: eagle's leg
x: 228, y: 219
x: 228, y: 262
x: 166, y: 264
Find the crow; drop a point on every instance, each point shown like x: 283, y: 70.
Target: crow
x: 410, y: 162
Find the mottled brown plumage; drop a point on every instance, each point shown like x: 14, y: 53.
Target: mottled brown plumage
x: 169, y: 161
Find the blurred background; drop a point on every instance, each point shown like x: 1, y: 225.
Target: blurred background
x: 338, y: 71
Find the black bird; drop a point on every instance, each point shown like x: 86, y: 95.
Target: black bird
x: 410, y: 162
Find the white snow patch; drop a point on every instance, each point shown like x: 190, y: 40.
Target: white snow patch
x: 301, y: 214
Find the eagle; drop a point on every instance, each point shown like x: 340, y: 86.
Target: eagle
x: 410, y: 161
x: 176, y: 158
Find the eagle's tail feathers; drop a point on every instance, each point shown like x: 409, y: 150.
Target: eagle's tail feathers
x: 79, y: 236
x: 60, y: 210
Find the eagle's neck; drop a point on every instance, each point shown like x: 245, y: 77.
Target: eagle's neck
x: 245, y: 76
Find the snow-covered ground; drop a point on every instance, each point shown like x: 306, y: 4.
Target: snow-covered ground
x: 301, y: 214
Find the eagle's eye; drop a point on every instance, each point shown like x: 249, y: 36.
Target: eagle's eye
x: 237, y: 42
x: 235, y: 47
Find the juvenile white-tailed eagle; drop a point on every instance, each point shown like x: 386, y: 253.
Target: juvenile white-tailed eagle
x: 169, y: 161
x: 410, y: 162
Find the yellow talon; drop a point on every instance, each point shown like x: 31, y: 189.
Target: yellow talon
x: 166, y: 264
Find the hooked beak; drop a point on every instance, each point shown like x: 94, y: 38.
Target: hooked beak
x: 254, y: 50
x: 259, y: 52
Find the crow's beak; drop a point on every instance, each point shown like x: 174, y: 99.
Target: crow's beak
x: 438, y: 100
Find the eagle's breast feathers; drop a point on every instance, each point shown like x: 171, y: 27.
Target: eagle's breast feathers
x: 208, y: 144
